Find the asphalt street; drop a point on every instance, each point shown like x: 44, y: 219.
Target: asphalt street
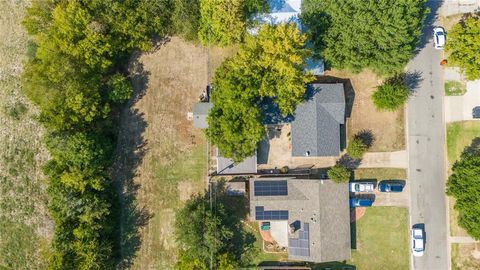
x: 426, y: 139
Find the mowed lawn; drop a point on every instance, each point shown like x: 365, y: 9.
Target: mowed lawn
x: 382, y: 239
x: 25, y: 228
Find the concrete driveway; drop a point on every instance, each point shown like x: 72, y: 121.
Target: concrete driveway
x: 400, y: 199
x: 459, y: 108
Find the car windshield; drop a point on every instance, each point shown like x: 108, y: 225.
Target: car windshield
x: 440, y: 33
x: 357, y: 186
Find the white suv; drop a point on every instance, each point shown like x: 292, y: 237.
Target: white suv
x: 439, y: 37
x: 418, y: 242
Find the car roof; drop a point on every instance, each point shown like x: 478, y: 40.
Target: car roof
x: 418, y: 243
x: 417, y: 232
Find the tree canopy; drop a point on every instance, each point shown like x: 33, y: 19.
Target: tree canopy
x: 268, y: 66
x: 75, y: 77
x: 464, y: 185
x: 339, y: 173
x: 463, y: 47
x: 379, y: 35
x: 224, y: 22
x: 392, y: 94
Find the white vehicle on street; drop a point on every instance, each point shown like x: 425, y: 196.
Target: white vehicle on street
x: 361, y: 187
x: 418, y: 242
x: 439, y: 37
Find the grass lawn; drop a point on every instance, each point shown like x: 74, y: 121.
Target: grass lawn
x: 465, y: 256
x: 387, y: 128
x: 380, y: 173
x: 455, y: 88
x: 382, y: 239
x: 459, y: 136
x: 25, y: 228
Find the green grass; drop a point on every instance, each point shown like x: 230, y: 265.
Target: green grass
x: 455, y: 88
x: 25, y: 228
x: 380, y: 173
x: 382, y: 239
x: 459, y: 136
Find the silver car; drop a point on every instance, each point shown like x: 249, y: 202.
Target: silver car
x: 361, y: 187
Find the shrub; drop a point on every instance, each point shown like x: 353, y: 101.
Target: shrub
x: 392, y: 94
x: 339, y: 174
x: 356, y: 148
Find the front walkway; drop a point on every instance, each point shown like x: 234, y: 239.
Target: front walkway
x: 462, y: 240
x: 459, y: 108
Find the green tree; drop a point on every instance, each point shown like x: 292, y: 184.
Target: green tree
x: 353, y: 35
x: 356, y: 148
x: 462, y: 47
x: 464, y: 185
x: 268, y: 66
x: 224, y: 22
x: 120, y: 89
x: 186, y: 18
x: 339, y: 174
x: 392, y: 94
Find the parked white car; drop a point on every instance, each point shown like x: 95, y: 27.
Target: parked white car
x: 361, y: 187
x: 439, y: 38
x: 418, y: 242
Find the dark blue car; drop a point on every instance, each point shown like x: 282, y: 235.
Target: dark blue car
x: 389, y: 186
x: 359, y: 202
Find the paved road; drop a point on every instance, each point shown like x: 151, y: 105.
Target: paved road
x: 426, y: 137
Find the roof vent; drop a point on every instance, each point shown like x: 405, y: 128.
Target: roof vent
x: 307, y: 153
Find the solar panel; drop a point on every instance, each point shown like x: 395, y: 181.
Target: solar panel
x: 260, y: 214
x: 300, y: 246
x: 270, y: 188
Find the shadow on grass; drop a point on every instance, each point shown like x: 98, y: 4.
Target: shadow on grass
x: 131, y: 148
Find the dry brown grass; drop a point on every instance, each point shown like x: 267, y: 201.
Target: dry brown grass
x: 465, y: 256
x: 25, y: 229
x: 162, y: 159
x: 388, y: 128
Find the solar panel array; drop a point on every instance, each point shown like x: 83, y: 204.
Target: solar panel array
x: 300, y: 246
x: 260, y: 214
x: 271, y: 188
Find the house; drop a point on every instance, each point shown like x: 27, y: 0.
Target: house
x: 317, y: 123
x: 310, y: 217
x: 200, y: 113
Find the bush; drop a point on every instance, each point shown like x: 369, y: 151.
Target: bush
x: 339, y: 174
x: 464, y: 186
x: 392, y: 94
x: 462, y: 47
x: 356, y: 148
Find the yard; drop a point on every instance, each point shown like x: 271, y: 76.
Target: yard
x: 388, y: 128
x: 382, y: 239
x: 25, y: 228
x: 465, y: 256
x: 380, y: 173
x: 161, y: 158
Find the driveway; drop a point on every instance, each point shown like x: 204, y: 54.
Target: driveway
x: 400, y: 199
x: 451, y: 7
x: 426, y: 151
x: 459, y: 108
x: 397, y: 159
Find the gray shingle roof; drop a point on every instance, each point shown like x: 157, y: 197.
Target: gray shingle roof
x: 200, y: 113
x: 316, y: 127
x: 227, y: 166
x: 323, y: 205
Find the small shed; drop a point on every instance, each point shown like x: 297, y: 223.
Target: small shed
x: 200, y: 113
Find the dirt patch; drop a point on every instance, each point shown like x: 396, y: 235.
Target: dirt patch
x: 387, y: 128
x: 161, y: 158
x: 466, y: 256
x: 356, y: 213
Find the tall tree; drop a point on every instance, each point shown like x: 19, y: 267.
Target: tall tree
x: 463, y: 47
x: 269, y: 65
x: 379, y: 35
x: 464, y: 185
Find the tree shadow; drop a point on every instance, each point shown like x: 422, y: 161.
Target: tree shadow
x: 428, y: 25
x: 473, y: 148
x: 412, y: 80
x: 366, y: 136
x: 130, y: 151
x: 349, y: 162
x: 333, y: 266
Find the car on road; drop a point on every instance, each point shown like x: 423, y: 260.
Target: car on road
x: 439, y: 38
x: 418, y: 241
x: 361, y: 187
x: 390, y: 186
x: 360, y: 202
x: 476, y: 112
